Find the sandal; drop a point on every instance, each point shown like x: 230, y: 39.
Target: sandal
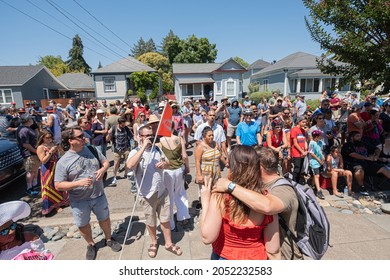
x: 152, y: 251
x: 174, y: 249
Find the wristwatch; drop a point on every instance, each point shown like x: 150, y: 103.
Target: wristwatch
x: 231, y: 187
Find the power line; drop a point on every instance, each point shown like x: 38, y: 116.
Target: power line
x: 56, y: 31
x: 102, y: 23
x: 58, y: 8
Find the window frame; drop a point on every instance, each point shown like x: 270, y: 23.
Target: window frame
x: 3, y: 97
x: 105, y: 84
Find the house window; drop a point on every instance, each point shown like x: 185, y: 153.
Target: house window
x: 316, y: 85
x: 219, y: 87
x: 303, y: 85
x: 109, y: 84
x: 265, y: 85
x: 187, y: 90
x: 230, y: 88
x: 6, y: 96
x: 309, y: 85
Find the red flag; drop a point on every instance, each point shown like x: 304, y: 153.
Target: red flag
x: 165, y: 126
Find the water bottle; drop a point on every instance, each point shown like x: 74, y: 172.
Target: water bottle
x: 346, y: 191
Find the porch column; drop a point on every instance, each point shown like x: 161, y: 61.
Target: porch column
x: 298, y: 85
x: 320, y: 86
x: 285, y: 82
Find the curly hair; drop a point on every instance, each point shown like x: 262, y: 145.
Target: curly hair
x: 245, y: 171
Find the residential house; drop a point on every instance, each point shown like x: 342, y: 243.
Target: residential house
x: 33, y: 82
x: 79, y: 85
x: 297, y: 73
x: 112, y: 81
x: 252, y: 69
x: 210, y: 80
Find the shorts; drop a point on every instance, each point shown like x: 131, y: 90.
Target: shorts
x: 118, y: 155
x: 32, y: 163
x: 156, y: 205
x: 231, y: 129
x: 370, y: 168
x: 82, y: 210
x: 316, y: 171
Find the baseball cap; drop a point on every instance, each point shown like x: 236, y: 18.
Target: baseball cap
x: 49, y: 109
x: 316, y: 133
x: 355, y: 107
x: 99, y: 111
x: 25, y: 118
x: 13, y: 103
x: 368, y: 104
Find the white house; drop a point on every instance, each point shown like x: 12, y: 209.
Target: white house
x: 111, y: 81
x: 209, y: 80
x: 297, y: 73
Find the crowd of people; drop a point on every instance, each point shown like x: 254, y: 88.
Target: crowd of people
x: 257, y: 143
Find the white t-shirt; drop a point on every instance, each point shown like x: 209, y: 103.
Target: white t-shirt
x: 219, y: 135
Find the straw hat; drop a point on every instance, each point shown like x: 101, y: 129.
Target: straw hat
x: 14, y: 211
x: 153, y: 119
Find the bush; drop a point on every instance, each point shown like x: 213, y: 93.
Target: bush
x: 314, y: 104
x: 258, y: 96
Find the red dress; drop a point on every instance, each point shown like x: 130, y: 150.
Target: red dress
x: 236, y: 242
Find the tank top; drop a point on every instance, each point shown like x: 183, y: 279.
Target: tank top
x: 275, y: 141
x: 237, y: 242
x: 383, y: 155
x: 174, y: 156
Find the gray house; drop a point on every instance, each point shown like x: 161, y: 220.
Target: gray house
x: 252, y: 69
x: 209, y: 80
x: 111, y: 81
x: 78, y: 84
x: 296, y: 73
x: 34, y: 82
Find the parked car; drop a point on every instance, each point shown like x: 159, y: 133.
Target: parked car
x: 11, y: 162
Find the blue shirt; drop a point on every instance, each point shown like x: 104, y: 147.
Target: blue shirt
x: 248, y: 133
x: 235, y: 115
x: 315, y: 148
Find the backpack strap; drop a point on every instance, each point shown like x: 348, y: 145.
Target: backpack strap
x: 291, y: 237
x: 95, y: 153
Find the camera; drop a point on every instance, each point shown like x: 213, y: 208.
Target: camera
x: 151, y: 139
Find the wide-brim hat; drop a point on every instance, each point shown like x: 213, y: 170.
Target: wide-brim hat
x: 99, y: 111
x: 225, y: 98
x: 14, y: 211
x: 153, y: 119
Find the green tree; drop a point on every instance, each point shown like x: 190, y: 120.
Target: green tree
x: 170, y: 46
x: 55, y: 64
x: 355, y: 32
x: 196, y: 50
x: 144, y: 81
x: 142, y: 47
x: 161, y: 64
x: 76, y: 61
x: 240, y: 61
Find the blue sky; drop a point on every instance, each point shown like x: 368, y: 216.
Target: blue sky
x: 250, y: 29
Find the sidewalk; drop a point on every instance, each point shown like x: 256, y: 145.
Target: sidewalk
x: 353, y: 236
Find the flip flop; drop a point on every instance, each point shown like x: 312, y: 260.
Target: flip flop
x: 174, y: 249
x: 339, y: 195
x: 152, y: 250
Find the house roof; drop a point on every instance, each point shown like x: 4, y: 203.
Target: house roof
x: 308, y: 73
x: 18, y: 75
x: 298, y: 60
x: 259, y: 64
x: 191, y: 68
x: 198, y: 68
x: 125, y: 65
x: 77, y: 81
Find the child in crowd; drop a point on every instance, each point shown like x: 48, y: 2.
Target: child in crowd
x: 316, y: 160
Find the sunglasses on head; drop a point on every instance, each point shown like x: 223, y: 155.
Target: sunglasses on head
x: 5, y: 231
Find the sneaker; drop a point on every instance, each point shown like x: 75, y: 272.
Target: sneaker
x: 363, y: 191
x: 133, y: 188
x: 31, y: 192
x: 91, y: 252
x: 113, y: 183
x: 114, y: 245
x: 320, y: 195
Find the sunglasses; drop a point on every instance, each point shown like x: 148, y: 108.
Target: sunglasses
x: 320, y: 118
x: 5, y: 231
x: 81, y: 136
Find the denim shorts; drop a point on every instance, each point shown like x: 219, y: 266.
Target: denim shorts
x: 82, y: 210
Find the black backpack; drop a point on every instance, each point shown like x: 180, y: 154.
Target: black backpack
x: 95, y: 153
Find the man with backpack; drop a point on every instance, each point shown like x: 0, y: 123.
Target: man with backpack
x: 282, y: 200
x: 120, y: 136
